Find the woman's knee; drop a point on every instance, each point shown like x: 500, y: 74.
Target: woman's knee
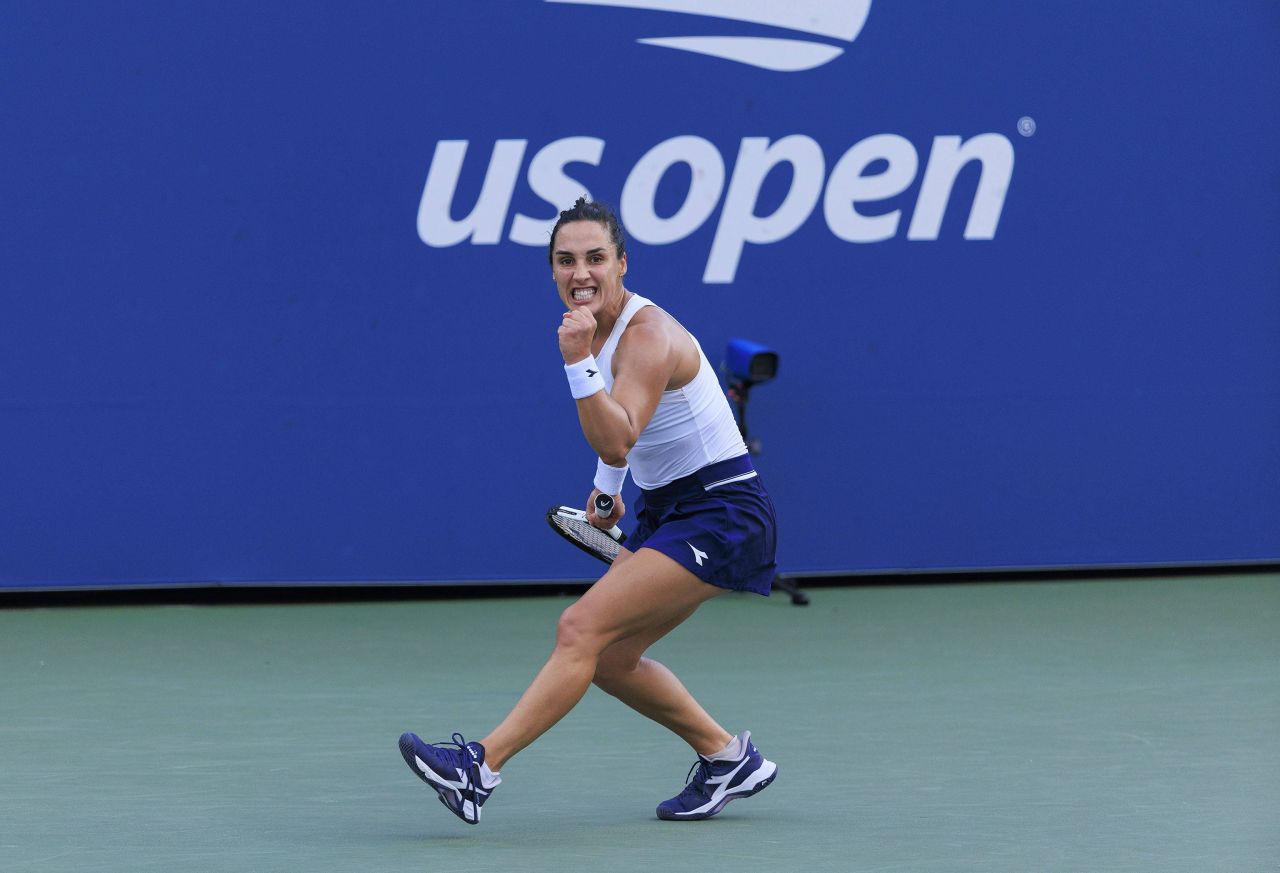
x: 578, y: 631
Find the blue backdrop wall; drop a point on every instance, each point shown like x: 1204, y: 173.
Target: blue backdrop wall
x: 275, y: 306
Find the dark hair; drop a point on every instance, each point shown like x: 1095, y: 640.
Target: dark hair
x: 584, y: 210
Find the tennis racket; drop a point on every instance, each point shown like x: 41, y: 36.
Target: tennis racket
x: 572, y: 524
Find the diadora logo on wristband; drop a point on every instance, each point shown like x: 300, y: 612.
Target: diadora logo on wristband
x: 834, y: 19
x: 591, y: 373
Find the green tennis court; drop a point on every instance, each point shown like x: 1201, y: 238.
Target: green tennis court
x: 1105, y: 725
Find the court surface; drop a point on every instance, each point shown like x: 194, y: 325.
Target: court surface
x: 1106, y: 725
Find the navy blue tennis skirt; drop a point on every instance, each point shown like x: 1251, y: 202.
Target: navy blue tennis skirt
x: 718, y: 523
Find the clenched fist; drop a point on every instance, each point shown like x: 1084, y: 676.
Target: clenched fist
x: 577, y: 330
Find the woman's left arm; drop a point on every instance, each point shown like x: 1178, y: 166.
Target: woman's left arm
x: 643, y: 365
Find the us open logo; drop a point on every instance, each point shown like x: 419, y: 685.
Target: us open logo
x: 868, y: 172
x: 835, y: 19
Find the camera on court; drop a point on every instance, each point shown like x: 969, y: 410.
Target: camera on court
x: 746, y: 364
x: 750, y: 363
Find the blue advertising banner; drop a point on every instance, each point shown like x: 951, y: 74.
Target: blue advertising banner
x: 275, y: 303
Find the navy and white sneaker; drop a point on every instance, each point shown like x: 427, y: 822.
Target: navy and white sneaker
x: 717, y: 782
x: 453, y: 772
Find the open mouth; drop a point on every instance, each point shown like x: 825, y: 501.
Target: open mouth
x: 582, y: 295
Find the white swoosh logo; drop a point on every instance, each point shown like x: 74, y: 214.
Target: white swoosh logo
x: 835, y: 19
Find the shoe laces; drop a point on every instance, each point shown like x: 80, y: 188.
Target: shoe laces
x: 696, y: 778
x: 461, y: 742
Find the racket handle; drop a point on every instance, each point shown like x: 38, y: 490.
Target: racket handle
x: 604, y: 505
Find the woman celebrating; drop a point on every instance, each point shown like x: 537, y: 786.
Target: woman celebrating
x: 649, y: 402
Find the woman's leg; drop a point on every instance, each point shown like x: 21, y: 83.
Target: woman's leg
x: 643, y: 596
x: 652, y: 690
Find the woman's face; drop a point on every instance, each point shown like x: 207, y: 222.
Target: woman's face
x: 586, y: 267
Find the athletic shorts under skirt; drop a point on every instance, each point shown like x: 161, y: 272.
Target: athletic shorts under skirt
x: 718, y: 523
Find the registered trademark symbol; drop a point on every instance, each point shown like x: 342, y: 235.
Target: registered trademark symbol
x: 1027, y: 125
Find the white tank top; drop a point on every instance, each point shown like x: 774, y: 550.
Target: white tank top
x: 692, y: 427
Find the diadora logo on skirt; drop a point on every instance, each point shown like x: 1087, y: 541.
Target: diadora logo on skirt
x: 835, y: 19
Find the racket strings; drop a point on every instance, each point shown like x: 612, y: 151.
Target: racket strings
x: 592, y: 537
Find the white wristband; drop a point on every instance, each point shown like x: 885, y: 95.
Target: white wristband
x: 609, y: 479
x: 584, y: 378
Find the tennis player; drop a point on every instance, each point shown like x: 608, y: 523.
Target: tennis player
x: 646, y: 396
